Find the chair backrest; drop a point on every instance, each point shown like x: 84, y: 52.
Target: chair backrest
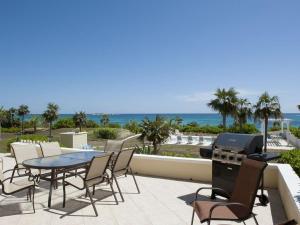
x: 50, y: 148
x: 98, y: 167
x: 246, y: 185
x: 23, y: 152
x: 113, y: 146
x: 123, y: 160
x: 1, y: 170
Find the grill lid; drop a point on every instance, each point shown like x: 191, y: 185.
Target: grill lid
x: 239, y: 143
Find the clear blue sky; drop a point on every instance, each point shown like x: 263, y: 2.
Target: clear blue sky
x: 147, y: 56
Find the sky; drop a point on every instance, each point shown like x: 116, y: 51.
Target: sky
x: 138, y: 56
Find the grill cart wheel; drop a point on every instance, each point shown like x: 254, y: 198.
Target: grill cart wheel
x: 213, y: 196
x: 263, y: 199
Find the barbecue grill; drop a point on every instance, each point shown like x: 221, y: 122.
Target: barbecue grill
x: 227, y: 153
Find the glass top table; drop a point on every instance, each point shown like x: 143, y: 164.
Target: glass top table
x: 61, y: 163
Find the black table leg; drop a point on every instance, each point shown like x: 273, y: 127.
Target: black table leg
x: 51, y: 185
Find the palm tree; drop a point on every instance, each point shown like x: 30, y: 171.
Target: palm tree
x: 50, y: 115
x: 156, y: 131
x: 79, y: 119
x: 243, y: 112
x: 23, y: 110
x: 104, y: 120
x: 12, y: 112
x: 266, y: 107
x: 3, y: 116
x: 224, y: 103
x: 34, y: 122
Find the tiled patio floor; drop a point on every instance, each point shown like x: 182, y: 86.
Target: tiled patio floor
x: 161, y: 202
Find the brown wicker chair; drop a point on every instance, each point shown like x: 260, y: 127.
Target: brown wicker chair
x: 96, y: 174
x: 121, y: 166
x: 240, y: 204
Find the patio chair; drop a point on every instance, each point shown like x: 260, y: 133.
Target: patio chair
x: 179, y: 140
x: 190, y: 140
x: 121, y: 166
x: 96, y: 174
x: 9, y: 188
x: 113, y: 146
x: 240, y: 204
x: 50, y: 149
x: 22, y: 153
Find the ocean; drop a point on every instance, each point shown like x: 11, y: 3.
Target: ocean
x: 201, y: 118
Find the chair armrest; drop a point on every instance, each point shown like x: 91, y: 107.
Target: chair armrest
x: 225, y: 204
x: 208, y: 188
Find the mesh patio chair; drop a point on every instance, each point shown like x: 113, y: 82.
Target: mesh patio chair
x: 240, y: 204
x: 50, y: 149
x: 121, y: 166
x: 96, y: 174
x: 9, y: 188
x: 22, y: 153
x: 113, y: 146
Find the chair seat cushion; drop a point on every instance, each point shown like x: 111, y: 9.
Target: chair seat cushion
x: 78, y: 182
x: 17, y: 185
x: 202, y: 208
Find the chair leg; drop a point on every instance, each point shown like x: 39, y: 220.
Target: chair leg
x: 92, y: 202
x: 137, y: 187
x: 93, y: 189
x: 193, y: 215
x: 13, y: 174
x: 119, y: 188
x: 33, y: 191
x: 114, y: 194
x: 64, y: 195
x: 255, y: 219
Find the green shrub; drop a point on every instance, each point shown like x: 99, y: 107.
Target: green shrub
x: 64, y: 123
x: 293, y: 158
x: 175, y: 154
x: 295, y: 131
x: 246, y: 129
x: 25, y: 137
x: 114, y: 125
x: 11, y: 130
x: 91, y: 124
x: 106, y: 133
x: 133, y: 127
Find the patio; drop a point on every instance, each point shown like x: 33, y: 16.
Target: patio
x: 162, y: 201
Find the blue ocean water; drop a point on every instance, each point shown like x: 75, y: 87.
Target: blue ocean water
x: 200, y: 118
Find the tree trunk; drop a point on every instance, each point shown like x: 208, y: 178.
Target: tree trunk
x: 266, y: 133
x: 0, y: 131
x: 224, y: 120
x: 241, y: 126
x: 154, y: 147
x: 50, y: 130
x: 22, y: 128
x: 80, y: 128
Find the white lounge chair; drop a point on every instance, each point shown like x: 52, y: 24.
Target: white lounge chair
x: 50, y: 149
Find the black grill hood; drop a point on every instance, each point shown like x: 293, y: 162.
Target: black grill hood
x: 239, y: 143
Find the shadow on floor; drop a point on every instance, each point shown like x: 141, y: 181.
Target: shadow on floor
x: 76, y: 204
